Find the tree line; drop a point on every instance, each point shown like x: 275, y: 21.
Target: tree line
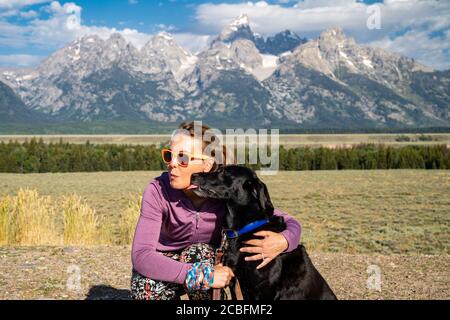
x: 35, y: 156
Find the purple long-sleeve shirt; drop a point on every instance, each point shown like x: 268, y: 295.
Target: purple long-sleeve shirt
x: 169, y: 221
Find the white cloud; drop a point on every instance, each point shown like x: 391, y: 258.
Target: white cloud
x: 64, y: 24
x: 28, y: 14
x: 19, y: 3
x: 138, y: 39
x: 191, y: 41
x: 21, y: 60
x: 9, y: 13
x: 406, y: 26
x: 164, y: 27
x: 268, y: 18
x: 61, y: 27
x: 317, y: 15
x: 431, y: 51
x: 12, y: 35
x: 310, y: 17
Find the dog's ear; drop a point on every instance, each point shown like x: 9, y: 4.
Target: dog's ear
x: 262, y: 194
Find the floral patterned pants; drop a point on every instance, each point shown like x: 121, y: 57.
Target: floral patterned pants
x: 143, y: 288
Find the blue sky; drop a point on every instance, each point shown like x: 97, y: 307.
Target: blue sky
x: 30, y: 30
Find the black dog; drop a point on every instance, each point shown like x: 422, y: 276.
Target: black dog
x: 291, y: 275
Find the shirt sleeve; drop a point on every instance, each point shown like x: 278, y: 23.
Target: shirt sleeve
x: 146, y: 260
x: 293, y: 230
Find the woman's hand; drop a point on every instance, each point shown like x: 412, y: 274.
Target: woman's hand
x: 267, y: 248
x: 222, y: 276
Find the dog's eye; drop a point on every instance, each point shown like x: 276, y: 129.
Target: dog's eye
x: 248, y: 184
x: 227, y: 180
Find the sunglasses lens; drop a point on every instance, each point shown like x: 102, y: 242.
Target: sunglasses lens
x: 167, y: 156
x: 183, y: 159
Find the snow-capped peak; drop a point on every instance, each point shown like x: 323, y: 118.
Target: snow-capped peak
x: 164, y: 35
x: 89, y: 38
x: 336, y: 33
x: 238, y: 28
x: 116, y: 37
x: 240, y: 21
x: 290, y: 34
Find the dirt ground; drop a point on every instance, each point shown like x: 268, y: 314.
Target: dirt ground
x: 103, y: 272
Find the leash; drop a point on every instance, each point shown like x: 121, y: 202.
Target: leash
x: 219, y: 254
x: 237, y: 287
x: 230, y: 234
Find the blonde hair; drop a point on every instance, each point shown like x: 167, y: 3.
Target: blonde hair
x: 219, y: 159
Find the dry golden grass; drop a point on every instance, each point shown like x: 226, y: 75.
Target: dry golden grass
x: 80, y: 221
x: 4, y: 220
x: 374, y: 211
x: 28, y: 219
x: 128, y: 219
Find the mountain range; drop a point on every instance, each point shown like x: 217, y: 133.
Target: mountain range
x: 241, y: 79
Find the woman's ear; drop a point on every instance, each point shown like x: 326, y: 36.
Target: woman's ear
x: 208, y: 164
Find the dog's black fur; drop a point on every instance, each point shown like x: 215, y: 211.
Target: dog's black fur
x: 291, y: 275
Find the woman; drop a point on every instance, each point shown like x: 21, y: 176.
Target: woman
x: 177, y: 232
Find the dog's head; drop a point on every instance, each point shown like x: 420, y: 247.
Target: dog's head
x: 237, y: 184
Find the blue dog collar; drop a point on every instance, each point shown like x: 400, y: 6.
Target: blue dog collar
x: 247, y: 228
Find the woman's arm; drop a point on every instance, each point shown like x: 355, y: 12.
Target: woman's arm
x: 273, y: 243
x: 146, y: 260
x: 292, y: 232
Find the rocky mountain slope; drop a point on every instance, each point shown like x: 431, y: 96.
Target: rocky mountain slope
x: 240, y: 79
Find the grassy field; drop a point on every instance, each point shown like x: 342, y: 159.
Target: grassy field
x: 398, y: 220
x: 287, y: 140
x: 397, y: 211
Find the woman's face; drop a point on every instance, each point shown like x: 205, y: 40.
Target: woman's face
x: 180, y: 177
